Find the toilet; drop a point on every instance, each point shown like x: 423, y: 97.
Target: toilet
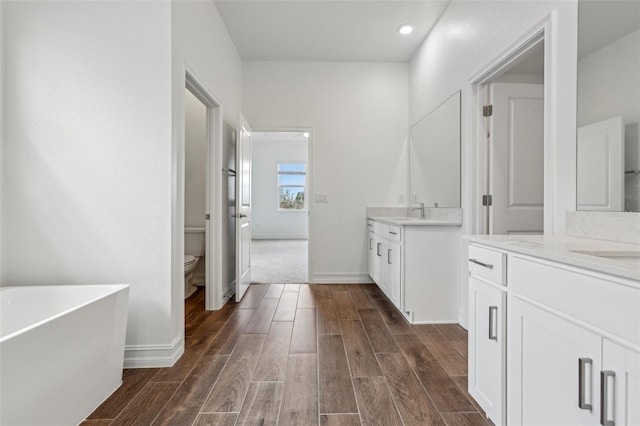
x: 193, y: 252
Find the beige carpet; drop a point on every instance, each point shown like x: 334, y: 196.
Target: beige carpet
x: 279, y: 261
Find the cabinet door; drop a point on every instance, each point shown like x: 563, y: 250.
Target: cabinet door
x: 620, y: 385
x: 487, y: 372
x: 371, y: 257
x: 394, y: 269
x: 378, y: 250
x: 553, y: 369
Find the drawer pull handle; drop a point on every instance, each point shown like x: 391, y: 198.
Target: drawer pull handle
x: 393, y: 233
x: 493, y: 332
x: 604, y: 397
x: 485, y: 265
x: 582, y: 362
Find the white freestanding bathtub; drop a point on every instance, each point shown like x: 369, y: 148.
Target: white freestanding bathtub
x: 61, y: 351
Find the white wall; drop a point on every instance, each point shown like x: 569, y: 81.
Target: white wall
x: 267, y: 222
x: 468, y: 37
x: 201, y: 44
x: 93, y: 107
x: 358, y: 112
x: 195, y: 184
x: 87, y: 151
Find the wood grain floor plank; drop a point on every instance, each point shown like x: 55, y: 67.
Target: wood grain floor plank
x: 96, y: 422
x: 362, y: 360
x: 444, y: 392
x: 391, y: 317
x: 379, y: 335
x: 360, y: 298
x: 456, y: 335
x: 300, y: 397
x: 227, y: 338
x: 286, y: 310
x: 253, y: 296
x: 216, y: 419
x: 463, y: 385
x: 375, y: 402
x: 306, y: 298
x: 328, y: 321
x: 373, y: 291
x: 230, y: 389
x: 303, y: 339
x: 144, y: 408
x: 344, y: 305
x: 465, y: 419
x: 133, y: 381
x: 274, y: 291
x: 322, y: 291
x: 412, y: 401
x: 340, y: 420
x: 262, y: 318
x: 335, y: 386
x: 195, y: 346
x: 291, y: 288
x: 262, y: 404
x: 272, y: 365
x: 184, y: 405
x: 450, y: 358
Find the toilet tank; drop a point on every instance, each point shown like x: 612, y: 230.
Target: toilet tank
x: 194, y: 241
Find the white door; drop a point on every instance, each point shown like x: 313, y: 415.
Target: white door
x: 600, y: 166
x: 516, y: 163
x: 553, y: 369
x: 486, y: 348
x: 243, y: 208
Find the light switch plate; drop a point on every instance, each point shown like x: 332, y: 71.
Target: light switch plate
x: 321, y: 197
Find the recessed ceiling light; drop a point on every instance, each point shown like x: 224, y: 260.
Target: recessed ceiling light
x: 405, y: 29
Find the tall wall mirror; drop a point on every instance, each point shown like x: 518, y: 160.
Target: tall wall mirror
x: 608, y: 154
x: 434, y: 156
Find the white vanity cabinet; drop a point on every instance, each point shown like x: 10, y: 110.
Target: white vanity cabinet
x: 487, y: 330
x: 416, y: 266
x: 572, y: 339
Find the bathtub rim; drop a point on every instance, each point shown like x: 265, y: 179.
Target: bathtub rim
x: 116, y: 288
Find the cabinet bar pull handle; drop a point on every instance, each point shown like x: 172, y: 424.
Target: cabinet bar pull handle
x: 493, y: 333
x: 604, y: 397
x: 477, y: 262
x: 378, y: 249
x: 389, y: 256
x: 370, y: 243
x: 582, y: 362
x: 394, y: 233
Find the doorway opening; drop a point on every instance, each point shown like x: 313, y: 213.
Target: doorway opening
x: 281, y: 205
x: 511, y: 142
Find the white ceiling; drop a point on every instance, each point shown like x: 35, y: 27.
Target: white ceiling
x: 328, y: 30
x: 602, y: 22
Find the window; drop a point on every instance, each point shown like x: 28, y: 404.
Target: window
x: 292, y: 182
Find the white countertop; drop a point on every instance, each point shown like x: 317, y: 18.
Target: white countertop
x: 413, y: 221
x: 563, y: 250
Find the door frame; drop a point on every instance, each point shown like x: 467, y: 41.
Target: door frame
x: 309, y: 188
x: 480, y: 81
x: 213, y: 227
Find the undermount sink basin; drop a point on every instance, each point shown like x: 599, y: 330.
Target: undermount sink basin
x: 623, y: 255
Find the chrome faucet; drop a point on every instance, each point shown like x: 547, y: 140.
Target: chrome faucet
x: 422, y: 216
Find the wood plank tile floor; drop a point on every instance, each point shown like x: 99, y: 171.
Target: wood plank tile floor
x: 300, y: 354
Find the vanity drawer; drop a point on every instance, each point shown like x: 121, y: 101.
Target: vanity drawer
x: 488, y: 264
x: 394, y: 233
x: 382, y: 229
x: 609, y: 303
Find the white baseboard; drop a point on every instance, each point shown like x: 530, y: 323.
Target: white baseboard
x: 153, y: 356
x: 340, y: 278
x: 279, y: 237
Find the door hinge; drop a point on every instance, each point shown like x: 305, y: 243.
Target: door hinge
x: 487, y: 200
x: 487, y: 110
x: 207, y: 216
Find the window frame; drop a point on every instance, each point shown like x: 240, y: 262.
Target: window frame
x: 304, y: 187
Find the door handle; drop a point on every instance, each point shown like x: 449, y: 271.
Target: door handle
x: 493, y: 335
x: 604, y: 397
x: 582, y: 362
